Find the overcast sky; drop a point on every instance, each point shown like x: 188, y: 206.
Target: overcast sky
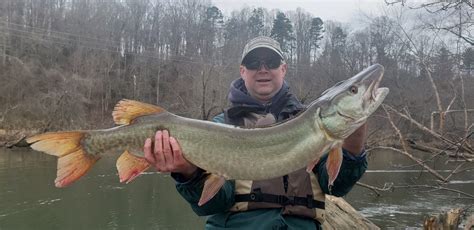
x: 338, y: 10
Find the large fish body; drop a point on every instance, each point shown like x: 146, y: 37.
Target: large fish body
x: 233, y: 152
x: 224, y: 150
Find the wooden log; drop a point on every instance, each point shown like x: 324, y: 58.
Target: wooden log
x: 449, y: 220
x: 341, y: 215
x: 469, y: 223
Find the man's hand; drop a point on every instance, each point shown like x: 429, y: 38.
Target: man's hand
x: 166, y: 155
x: 355, y: 142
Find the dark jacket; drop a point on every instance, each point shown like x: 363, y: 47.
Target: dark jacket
x: 283, y: 106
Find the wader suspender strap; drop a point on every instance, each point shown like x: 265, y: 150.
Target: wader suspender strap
x: 258, y: 196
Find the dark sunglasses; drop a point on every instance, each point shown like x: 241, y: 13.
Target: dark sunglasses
x: 270, y: 63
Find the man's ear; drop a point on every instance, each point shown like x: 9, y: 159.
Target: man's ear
x: 242, y: 70
x: 284, y: 67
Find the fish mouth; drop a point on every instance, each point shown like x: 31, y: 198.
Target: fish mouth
x: 374, y: 94
x: 377, y: 94
x: 352, y: 119
x: 372, y: 91
x: 345, y: 115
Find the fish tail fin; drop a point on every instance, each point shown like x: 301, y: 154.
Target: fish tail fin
x: 73, y: 160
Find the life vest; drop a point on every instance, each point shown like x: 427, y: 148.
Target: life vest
x: 297, y: 193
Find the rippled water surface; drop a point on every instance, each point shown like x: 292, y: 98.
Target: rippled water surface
x: 406, y: 206
x: 29, y: 200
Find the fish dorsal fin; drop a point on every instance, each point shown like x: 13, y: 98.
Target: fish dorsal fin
x: 127, y: 110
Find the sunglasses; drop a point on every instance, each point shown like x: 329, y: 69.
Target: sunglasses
x: 270, y: 63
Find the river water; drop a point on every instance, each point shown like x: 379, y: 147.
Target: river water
x: 29, y: 200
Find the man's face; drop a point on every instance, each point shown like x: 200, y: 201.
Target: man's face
x: 263, y: 73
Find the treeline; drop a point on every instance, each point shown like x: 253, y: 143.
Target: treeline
x: 65, y: 63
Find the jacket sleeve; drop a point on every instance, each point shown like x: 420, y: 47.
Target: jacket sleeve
x: 191, y: 190
x: 351, y: 171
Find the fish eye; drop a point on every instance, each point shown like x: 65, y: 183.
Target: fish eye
x: 353, y: 89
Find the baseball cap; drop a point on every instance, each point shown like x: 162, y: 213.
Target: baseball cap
x: 262, y: 42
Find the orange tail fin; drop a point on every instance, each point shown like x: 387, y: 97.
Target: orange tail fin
x: 73, y: 161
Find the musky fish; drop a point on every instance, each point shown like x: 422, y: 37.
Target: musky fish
x: 224, y: 151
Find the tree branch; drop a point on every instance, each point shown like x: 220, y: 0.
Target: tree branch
x: 433, y: 133
x: 377, y: 190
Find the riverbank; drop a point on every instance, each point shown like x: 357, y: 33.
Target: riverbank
x: 15, y: 137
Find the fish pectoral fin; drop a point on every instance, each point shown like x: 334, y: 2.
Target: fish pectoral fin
x: 212, y: 185
x: 127, y: 110
x: 315, y: 161
x: 333, y: 163
x: 130, y: 166
x: 73, y: 160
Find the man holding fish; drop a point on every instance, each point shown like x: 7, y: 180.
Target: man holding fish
x: 261, y: 98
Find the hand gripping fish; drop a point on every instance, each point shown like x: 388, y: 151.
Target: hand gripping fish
x: 224, y: 151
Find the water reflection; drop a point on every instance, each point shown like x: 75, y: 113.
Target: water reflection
x: 29, y: 200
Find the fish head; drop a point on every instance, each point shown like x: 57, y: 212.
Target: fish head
x: 347, y: 105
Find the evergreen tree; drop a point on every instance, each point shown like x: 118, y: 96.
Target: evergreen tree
x: 382, y: 37
x: 443, y: 64
x: 316, y: 32
x: 468, y: 59
x: 282, y: 31
x: 232, y: 29
x: 338, y: 37
x: 256, y: 22
x: 213, y: 22
x: 214, y: 15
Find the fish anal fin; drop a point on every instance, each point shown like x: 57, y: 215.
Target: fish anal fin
x: 333, y: 163
x: 130, y: 166
x: 212, y: 185
x: 73, y: 166
x: 127, y: 110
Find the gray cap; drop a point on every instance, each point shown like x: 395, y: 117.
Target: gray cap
x: 262, y: 42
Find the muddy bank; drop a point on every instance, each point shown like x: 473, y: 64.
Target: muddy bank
x: 15, y: 137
